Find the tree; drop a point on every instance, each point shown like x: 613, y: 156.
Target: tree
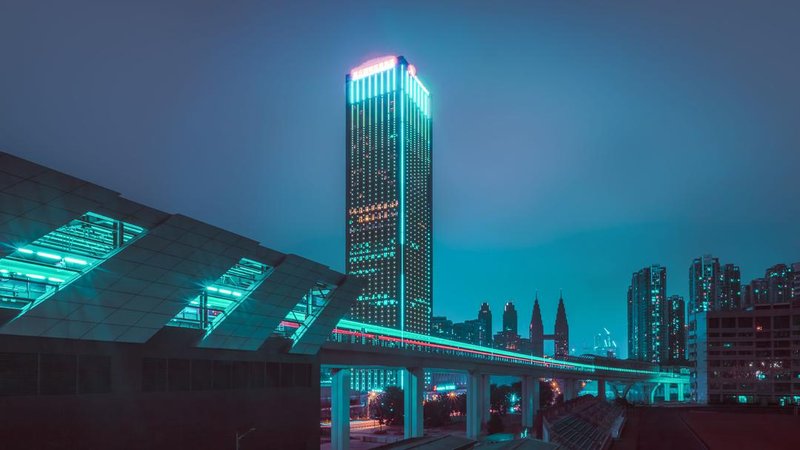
x: 390, y: 406
x: 436, y: 412
x: 460, y: 404
x: 495, y: 424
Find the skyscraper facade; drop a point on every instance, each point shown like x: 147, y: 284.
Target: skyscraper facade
x: 561, y: 330
x: 676, y: 329
x: 730, y: 294
x: 536, y: 329
x: 778, y: 283
x: 510, y: 318
x: 647, y: 314
x: 389, y: 220
x: 485, y: 325
x: 704, y: 284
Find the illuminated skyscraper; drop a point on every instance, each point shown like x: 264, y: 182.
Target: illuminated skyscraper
x: 676, y: 329
x: 389, y: 220
x: 647, y: 312
x: 561, y: 330
x: 485, y: 329
x: 704, y: 284
x: 730, y: 295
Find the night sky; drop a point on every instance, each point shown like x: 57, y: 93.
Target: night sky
x: 573, y: 144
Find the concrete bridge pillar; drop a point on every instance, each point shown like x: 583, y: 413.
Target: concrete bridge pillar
x: 413, y: 382
x: 478, y: 402
x: 649, y: 393
x: 340, y: 409
x: 601, y: 389
x: 680, y: 392
x: 530, y: 400
x: 667, y: 393
x: 571, y: 389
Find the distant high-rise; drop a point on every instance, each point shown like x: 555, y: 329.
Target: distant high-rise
x: 389, y: 220
x: 467, y: 331
x: 730, y: 293
x: 754, y: 293
x: 441, y: 326
x: 676, y: 329
x: 794, y: 285
x: 485, y: 325
x: 704, y: 284
x: 778, y: 283
x: 647, y: 313
x: 561, y: 334
x: 510, y: 318
x: 537, y: 329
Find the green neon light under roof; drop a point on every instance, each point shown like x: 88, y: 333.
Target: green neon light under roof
x: 36, y: 271
x: 306, y: 311
x: 220, y: 298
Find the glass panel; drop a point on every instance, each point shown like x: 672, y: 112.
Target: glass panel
x: 303, y: 314
x: 218, y: 299
x: 34, y: 272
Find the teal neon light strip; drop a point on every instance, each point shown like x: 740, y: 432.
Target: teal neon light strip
x: 36, y: 271
x: 411, y: 336
x: 373, y: 86
x: 402, y: 239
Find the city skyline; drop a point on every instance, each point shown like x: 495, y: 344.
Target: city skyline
x: 532, y: 182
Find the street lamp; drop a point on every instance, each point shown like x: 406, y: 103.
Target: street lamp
x: 240, y: 436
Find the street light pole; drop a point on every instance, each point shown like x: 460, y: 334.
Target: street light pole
x: 240, y: 436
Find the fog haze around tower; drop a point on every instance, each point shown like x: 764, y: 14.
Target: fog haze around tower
x: 570, y: 150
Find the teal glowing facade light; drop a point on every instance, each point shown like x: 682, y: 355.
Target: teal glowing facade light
x: 36, y: 271
x: 389, y: 193
x: 300, y: 318
x: 218, y: 299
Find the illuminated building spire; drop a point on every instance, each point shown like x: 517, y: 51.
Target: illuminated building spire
x: 561, y: 337
x: 537, y: 329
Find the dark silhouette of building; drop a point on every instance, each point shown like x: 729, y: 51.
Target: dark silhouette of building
x: 647, y: 313
x: 754, y: 293
x: 536, y: 329
x: 676, y: 329
x: 778, y: 283
x: 389, y: 220
x: 485, y: 325
x: 441, y: 326
x: 468, y: 331
x: 510, y: 318
x: 731, y: 288
x: 561, y: 335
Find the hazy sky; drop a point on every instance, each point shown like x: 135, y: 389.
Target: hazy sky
x: 574, y: 142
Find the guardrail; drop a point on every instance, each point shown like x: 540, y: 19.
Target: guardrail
x: 352, y: 332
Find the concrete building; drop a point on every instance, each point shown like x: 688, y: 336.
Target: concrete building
x: 748, y: 356
x: 485, y: 328
x: 122, y: 326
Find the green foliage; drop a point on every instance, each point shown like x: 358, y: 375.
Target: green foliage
x: 436, y: 412
x: 389, y: 408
